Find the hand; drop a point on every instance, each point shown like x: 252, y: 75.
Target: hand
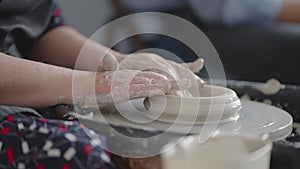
x: 173, y: 70
x: 119, y: 86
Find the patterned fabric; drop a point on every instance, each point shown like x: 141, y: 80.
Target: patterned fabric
x: 56, y: 19
x: 35, y: 142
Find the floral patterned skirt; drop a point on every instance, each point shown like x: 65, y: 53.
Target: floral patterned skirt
x: 35, y: 142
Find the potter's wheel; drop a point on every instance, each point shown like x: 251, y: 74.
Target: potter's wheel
x: 254, y: 118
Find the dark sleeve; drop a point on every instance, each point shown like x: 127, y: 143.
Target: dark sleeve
x: 56, y: 19
x: 41, y: 21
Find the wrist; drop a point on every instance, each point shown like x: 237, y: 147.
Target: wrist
x: 62, y: 88
x: 119, y: 56
x: 86, y: 83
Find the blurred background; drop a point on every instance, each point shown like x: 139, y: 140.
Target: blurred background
x: 256, y: 39
x: 253, y: 42
x: 86, y: 16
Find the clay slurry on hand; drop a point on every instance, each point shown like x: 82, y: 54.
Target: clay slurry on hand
x: 113, y: 87
x: 181, y: 73
x: 144, y: 76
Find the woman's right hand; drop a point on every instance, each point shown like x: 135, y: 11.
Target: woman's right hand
x: 110, y: 87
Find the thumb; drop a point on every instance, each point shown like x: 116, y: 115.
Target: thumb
x: 196, y: 66
x: 108, y: 63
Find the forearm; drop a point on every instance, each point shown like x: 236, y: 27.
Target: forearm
x: 62, y: 47
x: 290, y: 11
x: 33, y: 84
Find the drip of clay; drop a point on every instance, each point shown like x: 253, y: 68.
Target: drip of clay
x: 271, y: 87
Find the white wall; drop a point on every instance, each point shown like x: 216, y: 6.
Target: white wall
x: 86, y: 16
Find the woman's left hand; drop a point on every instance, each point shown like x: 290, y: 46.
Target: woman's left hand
x: 178, y: 72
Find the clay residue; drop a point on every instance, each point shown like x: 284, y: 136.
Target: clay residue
x: 271, y: 87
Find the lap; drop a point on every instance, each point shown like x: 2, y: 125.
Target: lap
x: 35, y: 142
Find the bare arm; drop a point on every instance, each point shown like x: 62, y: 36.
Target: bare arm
x: 63, y: 45
x: 37, y: 85
x: 32, y: 84
x: 290, y: 11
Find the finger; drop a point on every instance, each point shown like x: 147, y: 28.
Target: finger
x: 141, y: 80
x: 195, y: 66
x: 197, y: 83
x: 183, y: 84
x: 170, y: 73
x: 200, y: 82
x: 140, y: 90
x: 152, y: 75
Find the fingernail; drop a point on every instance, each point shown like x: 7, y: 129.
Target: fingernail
x: 198, y: 65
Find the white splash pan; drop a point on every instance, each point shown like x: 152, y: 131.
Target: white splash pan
x: 254, y: 118
x: 215, y: 104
